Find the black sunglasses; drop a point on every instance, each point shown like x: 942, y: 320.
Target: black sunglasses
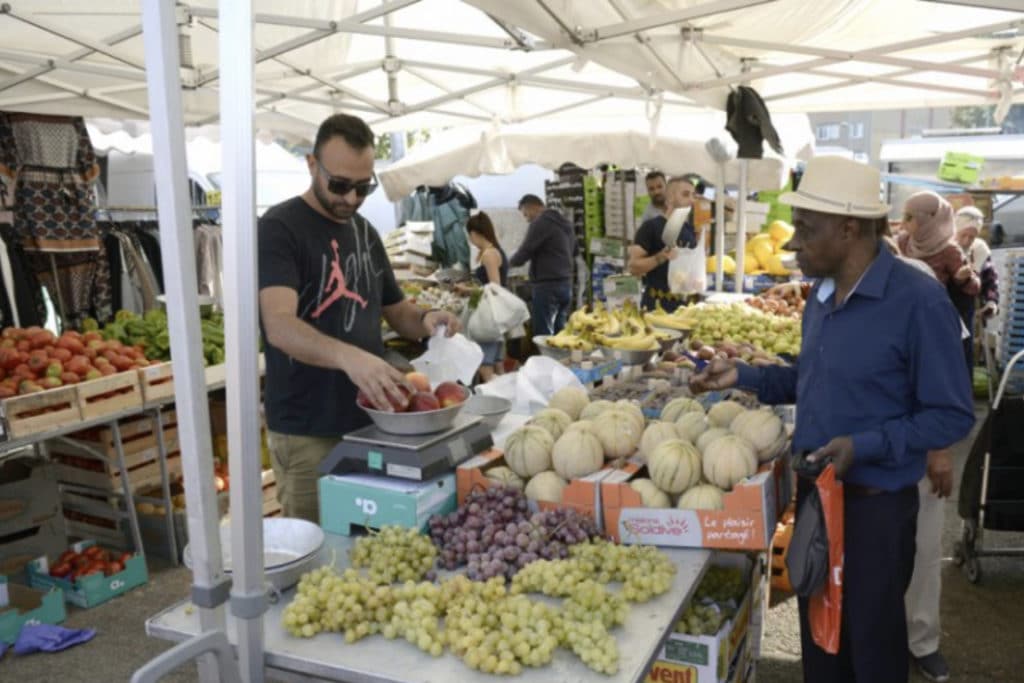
x: 342, y: 186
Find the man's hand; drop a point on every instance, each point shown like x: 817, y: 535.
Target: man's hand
x: 719, y: 374
x: 669, y: 253
x: 434, y: 319
x: 940, y: 472
x: 840, y: 450
x: 964, y: 274
x: 376, y: 378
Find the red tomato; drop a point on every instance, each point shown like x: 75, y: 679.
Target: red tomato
x: 69, y: 378
x: 122, y: 363
x: 67, y: 556
x: 94, y: 551
x: 63, y: 355
x: 60, y: 570
x: 108, y: 370
x: 114, y: 567
x: 23, y: 345
x: 123, y: 559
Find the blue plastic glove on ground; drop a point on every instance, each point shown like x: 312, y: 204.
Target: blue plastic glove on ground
x: 50, y: 638
x: 3, y: 648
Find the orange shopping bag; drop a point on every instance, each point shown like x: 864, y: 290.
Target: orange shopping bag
x: 825, y: 608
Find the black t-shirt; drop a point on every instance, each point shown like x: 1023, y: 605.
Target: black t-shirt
x: 648, y: 238
x: 343, y: 278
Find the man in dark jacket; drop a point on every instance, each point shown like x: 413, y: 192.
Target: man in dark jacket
x: 550, y: 247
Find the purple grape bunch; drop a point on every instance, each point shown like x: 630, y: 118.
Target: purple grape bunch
x: 494, y: 534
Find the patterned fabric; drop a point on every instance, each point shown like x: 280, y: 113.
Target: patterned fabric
x: 52, y: 165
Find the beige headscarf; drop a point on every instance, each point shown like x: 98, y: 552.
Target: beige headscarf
x: 969, y: 217
x: 934, y: 218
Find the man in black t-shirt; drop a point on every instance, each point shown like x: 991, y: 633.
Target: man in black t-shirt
x: 649, y: 255
x: 325, y: 287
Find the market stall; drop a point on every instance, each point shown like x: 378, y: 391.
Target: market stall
x: 752, y: 450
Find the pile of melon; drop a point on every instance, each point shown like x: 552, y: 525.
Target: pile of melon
x: 691, y: 457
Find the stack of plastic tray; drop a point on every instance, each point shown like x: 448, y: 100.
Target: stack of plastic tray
x: 1012, y: 314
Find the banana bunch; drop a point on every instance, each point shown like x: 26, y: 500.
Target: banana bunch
x: 644, y: 341
x: 570, y: 341
x: 680, y: 320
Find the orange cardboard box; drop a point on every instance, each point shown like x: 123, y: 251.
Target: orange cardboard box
x: 746, y: 523
x: 581, y: 494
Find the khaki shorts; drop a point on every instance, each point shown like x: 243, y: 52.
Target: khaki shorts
x: 296, y: 462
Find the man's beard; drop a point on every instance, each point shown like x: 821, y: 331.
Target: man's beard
x: 337, y: 208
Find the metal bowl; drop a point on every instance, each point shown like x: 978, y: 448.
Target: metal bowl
x: 491, y: 408
x: 629, y: 357
x: 673, y: 337
x: 291, y: 547
x: 414, y: 424
x: 541, y: 342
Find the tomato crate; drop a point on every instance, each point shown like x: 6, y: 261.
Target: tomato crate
x: 581, y: 494
x: 41, y: 412
x: 746, y: 522
x: 29, y: 495
x: 143, y: 469
x: 20, y: 605
x: 94, y: 589
x: 109, y: 395
x: 133, y: 431
x: 157, y: 382
x: 84, y: 520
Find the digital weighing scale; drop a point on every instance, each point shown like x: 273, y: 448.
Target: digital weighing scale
x: 420, y: 457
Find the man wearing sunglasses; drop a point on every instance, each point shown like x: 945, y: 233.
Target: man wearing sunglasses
x: 325, y: 287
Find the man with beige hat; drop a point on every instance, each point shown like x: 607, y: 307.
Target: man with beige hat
x: 875, y: 391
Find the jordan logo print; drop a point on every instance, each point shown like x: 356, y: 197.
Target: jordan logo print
x: 336, y: 286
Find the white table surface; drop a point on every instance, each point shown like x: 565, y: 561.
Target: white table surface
x: 377, y: 660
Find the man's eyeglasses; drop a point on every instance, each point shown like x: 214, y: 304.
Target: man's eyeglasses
x: 342, y: 186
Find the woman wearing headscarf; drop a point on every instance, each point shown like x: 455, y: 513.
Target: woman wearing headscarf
x: 928, y: 235
x: 969, y: 221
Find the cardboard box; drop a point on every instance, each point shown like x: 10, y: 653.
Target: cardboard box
x: 20, y: 605
x: 582, y: 495
x: 717, y: 658
x: 92, y: 590
x: 372, y: 501
x: 746, y: 523
x: 28, y: 493
x: 18, y: 549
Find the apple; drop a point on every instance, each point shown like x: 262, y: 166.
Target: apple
x: 418, y: 380
x: 449, y: 394
x: 422, y: 402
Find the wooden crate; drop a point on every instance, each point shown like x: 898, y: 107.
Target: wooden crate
x: 137, y: 437
x: 131, y: 428
x: 143, y: 470
x: 157, y: 382
x: 42, y: 412
x: 109, y: 395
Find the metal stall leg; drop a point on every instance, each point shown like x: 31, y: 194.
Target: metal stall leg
x: 129, y: 497
x: 172, y: 539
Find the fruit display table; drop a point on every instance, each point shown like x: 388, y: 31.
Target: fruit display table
x: 377, y: 660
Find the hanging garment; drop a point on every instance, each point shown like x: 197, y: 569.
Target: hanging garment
x: 53, y: 167
x: 750, y: 124
x: 209, y: 261
x: 451, y: 246
x: 7, y: 277
x: 137, y: 267
x: 28, y: 295
x: 113, y: 249
x: 150, y: 244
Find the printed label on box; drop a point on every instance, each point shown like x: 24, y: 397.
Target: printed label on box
x: 669, y: 672
x: 682, y: 651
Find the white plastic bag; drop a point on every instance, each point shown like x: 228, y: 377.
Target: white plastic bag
x: 537, y: 381
x: 687, y: 272
x: 449, y: 359
x: 498, y: 312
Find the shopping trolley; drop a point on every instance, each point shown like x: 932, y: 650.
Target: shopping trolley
x: 992, y: 484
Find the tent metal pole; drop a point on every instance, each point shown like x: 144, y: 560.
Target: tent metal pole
x: 61, y: 63
x: 563, y: 108
x: 302, y: 22
x: 646, y: 43
x: 875, y: 55
x: 71, y: 36
x: 89, y: 94
x: 720, y: 196
x: 241, y: 333
x: 659, y: 19
x: 275, y: 51
x: 72, y: 57
x: 741, y: 226
x: 209, y: 589
x: 441, y: 86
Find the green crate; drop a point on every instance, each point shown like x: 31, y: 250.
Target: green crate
x: 94, y: 589
x: 20, y: 605
x: 960, y: 167
x: 607, y: 246
x: 371, y: 501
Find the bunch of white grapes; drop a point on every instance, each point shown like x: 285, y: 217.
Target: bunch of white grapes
x: 395, y: 554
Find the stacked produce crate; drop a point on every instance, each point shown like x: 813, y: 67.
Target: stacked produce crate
x: 410, y: 250
x: 31, y: 523
x: 1009, y: 324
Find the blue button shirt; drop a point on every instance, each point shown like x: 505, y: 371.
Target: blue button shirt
x: 884, y: 367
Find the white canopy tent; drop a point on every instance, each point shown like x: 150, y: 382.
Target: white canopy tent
x: 674, y: 145
x: 406, y: 65
x: 410, y: 64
